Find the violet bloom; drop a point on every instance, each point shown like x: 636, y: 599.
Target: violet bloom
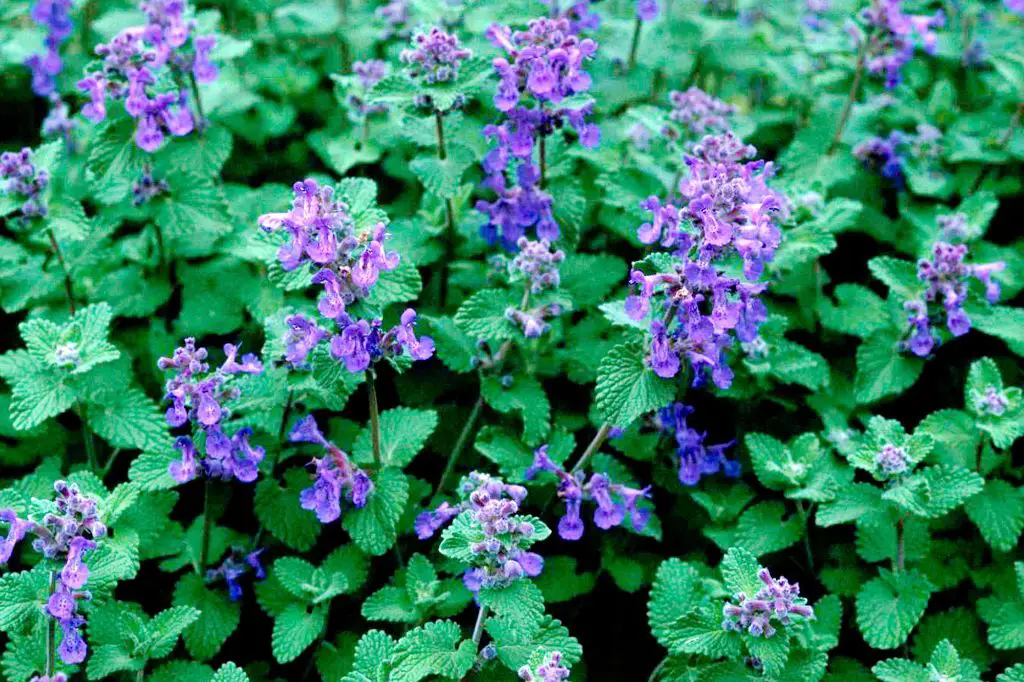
x: 695, y: 458
x: 892, y: 37
x: 699, y: 113
x: 777, y: 601
x: 947, y: 276
x: 338, y: 479
x: 303, y: 336
x: 551, y: 669
x: 536, y: 264
x: 15, y: 533
x: 54, y: 16
x: 1015, y: 6
x: 533, y: 321
x: 435, y: 56
x: 147, y: 188
x: 614, y: 501
x: 892, y: 460
x: 235, y: 570
x: 361, y: 343
x: 20, y: 177
x: 429, y: 522
x: 647, y: 10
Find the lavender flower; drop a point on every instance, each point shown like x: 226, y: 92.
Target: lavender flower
x: 360, y: 343
x: 303, y: 336
x: 23, y: 179
x: 536, y: 264
x: 891, y: 37
x: 58, y: 121
x: 395, y: 14
x: 235, y: 568
x: 732, y: 209
x: 954, y: 226
x: 993, y: 402
x: 579, y: 14
x: 814, y: 19
x: 695, y: 458
x: 198, y: 395
x: 147, y: 188
x: 946, y: 276
x: 533, y: 322
x: 56, y: 677
x: 884, y: 156
x: 700, y: 113
x: 614, y: 501
x: 337, y: 477
x: 367, y: 74
x: 777, y: 600
x: 550, y: 670
x: 647, y: 10
x: 52, y: 15
x: 1015, y: 6
x: 134, y: 63
x: 435, y: 56
x: 892, y: 460
x: 16, y: 530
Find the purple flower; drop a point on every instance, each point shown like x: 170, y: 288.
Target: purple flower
x: 20, y: 177
x: 1015, y: 6
x: 550, y: 670
x: 777, y: 601
x: 396, y: 14
x: 435, y: 56
x: 72, y: 649
x: 337, y: 477
x: 647, y: 10
x: 892, y: 460
x: 537, y: 264
x: 15, y: 533
x: 695, y: 458
x: 235, y: 568
x: 891, y: 37
x: 52, y: 15
x: 429, y: 522
x: 146, y: 188
x: 303, y: 336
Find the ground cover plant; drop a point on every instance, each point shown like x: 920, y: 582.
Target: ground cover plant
x: 401, y: 340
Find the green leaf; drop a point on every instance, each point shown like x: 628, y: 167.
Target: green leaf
x: 373, y: 657
x: 627, y: 388
x: 433, y: 649
x: 900, y: 670
x: 899, y: 275
x: 590, y: 278
x: 443, y: 178
x: 889, y: 607
x: 1014, y: 674
x: 392, y: 604
x: 676, y: 593
x: 882, y: 370
x: 279, y: 511
x: 739, y: 571
x: 218, y: 617
x: 374, y: 527
x: 859, y: 312
x: 998, y: 512
x: 295, y: 575
x: 761, y: 530
x: 295, y: 629
x: 20, y: 597
x: 521, y: 602
x: 454, y: 348
x: 526, y: 395
x: 482, y: 315
x: 560, y: 582
x: 517, y: 646
x: 403, y: 433
x: 165, y: 628
x: 229, y: 672
x: 773, y: 652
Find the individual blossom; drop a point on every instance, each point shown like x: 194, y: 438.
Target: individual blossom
x: 778, y: 601
x: 21, y: 178
x: 137, y: 64
x: 647, y: 10
x: 58, y: 121
x: 361, y: 343
x: 892, y: 460
x: 533, y: 321
x: 695, y: 458
x: 1015, y: 6
x: 16, y: 530
x: 814, y: 18
x: 884, y: 155
x: 338, y: 480
x: 580, y: 15
x: 434, y: 56
x: 147, y: 188
x: 946, y: 277
x: 699, y: 113
x: 614, y: 501
x: 551, y: 669
x: 54, y: 17
x: 302, y: 337
x: 727, y: 207
x: 202, y: 397
x: 235, y: 569
x: 892, y: 37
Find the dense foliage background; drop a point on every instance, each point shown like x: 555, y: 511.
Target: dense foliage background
x: 553, y: 377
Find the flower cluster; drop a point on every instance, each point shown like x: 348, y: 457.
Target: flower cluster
x: 954, y: 226
x: 395, y: 14
x: 533, y: 321
x: 58, y: 120
x: 234, y: 569
x: 435, y: 56
x: 891, y: 36
x: 777, y: 600
x: 892, y: 460
x: 22, y: 178
x: 946, y: 276
x: 337, y: 477
x: 367, y: 74
x: 302, y: 337
x: 197, y: 395
x: 647, y: 10
x: 550, y: 670
x: 695, y: 458
x: 67, y: 532
x: 614, y: 501
x: 147, y: 188
x: 133, y: 64
x: 500, y: 558
x: 884, y: 155
x: 732, y: 208
x: 54, y: 16
x: 816, y: 10
x: 543, y: 64
x: 579, y: 14
x: 56, y: 677
x: 536, y: 264
x: 700, y: 113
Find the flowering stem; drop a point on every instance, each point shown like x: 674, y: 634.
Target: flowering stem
x: 478, y: 629
x: 449, y: 210
x: 51, y: 631
x: 634, y: 45
x: 460, y: 443
x: 87, y: 441
x: 374, y: 419
x: 68, y: 288
x: 900, y: 548
x: 543, y: 160
x: 657, y: 670
x: 201, y: 124
x: 844, y: 117
x: 204, y: 541
x: 595, y: 444
x: 977, y: 454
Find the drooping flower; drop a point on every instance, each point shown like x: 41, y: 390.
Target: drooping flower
x: 777, y: 601
x: 338, y: 479
x: 615, y: 501
x: 695, y: 458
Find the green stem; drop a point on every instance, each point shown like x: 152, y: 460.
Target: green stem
x: 844, y: 117
x: 634, y: 45
x: 900, y: 546
x: 449, y: 210
x: 51, y: 633
x: 478, y: 629
x: 805, y: 517
x: 87, y: 440
x: 657, y: 670
x: 68, y: 288
x: 110, y: 463
x: 201, y: 123
x: 593, y: 447
x: 140, y: 675
x: 204, y: 541
x: 275, y: 458
x: 460, y: 443
x: 374, y: 419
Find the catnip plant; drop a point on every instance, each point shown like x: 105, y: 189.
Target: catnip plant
x: 475, y: 341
